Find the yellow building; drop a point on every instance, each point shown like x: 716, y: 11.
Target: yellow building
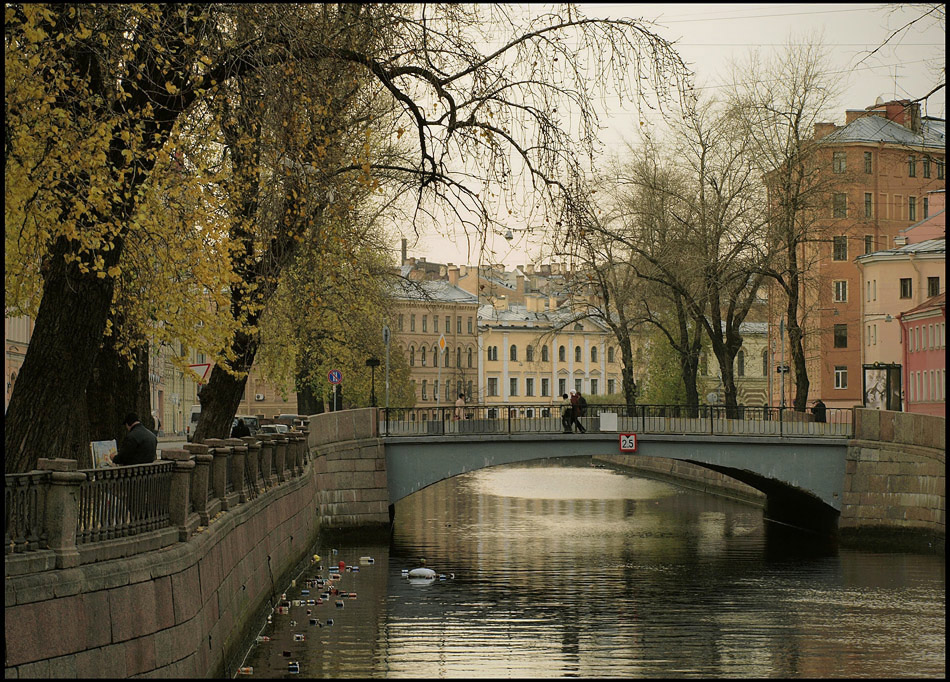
x: 532, y: 354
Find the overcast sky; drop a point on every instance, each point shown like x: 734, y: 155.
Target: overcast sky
x: 710, y: 36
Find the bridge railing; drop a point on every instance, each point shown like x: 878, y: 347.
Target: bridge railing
x: 642, y: 419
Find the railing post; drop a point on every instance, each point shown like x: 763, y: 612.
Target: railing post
x: 509, y: 419
x: 180, y: 492
x: 62, y: 509
x: 712, y: 428
x: 238, y: 456
x: 280, y: 455
x: 253, y: 463
x: 781, y: 430
x: 201, y: 480
x: 219, y: 469
x: 267, y: 458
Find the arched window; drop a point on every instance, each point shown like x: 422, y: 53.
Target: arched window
x: 423, y: 349
x: 593, y: 354
x: 765, y: 362
x: 435, y: 356
x: 577, y: 353
x: 458, y: 356
x: 544, y: 353
x: 740, y: 363
x: 425, y: 386
x: 561, y: 354
x: 469, y: 357
x: 529, y: 354
x: 610, y: 354
x: 445, y: 356
x: 412, y: 356
x: 513, y: 353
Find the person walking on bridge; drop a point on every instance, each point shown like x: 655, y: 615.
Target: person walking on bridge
x: 576, y: 412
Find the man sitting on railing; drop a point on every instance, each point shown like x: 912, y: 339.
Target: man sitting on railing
x: 139, y: 444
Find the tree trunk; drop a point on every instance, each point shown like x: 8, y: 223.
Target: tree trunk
x: 222, y: 394
x: 41, y: 419
x: 115, y: 390
x: 626, y: 376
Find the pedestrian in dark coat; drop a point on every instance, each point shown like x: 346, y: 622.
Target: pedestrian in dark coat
x: 576, y: 412
x: 819, y: 411
x: 240, y: 429
x: 139, y: 444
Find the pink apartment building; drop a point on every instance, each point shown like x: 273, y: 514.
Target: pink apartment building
x: 925, y: 357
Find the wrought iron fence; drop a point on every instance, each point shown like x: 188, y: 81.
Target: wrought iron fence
x: 644, y: 419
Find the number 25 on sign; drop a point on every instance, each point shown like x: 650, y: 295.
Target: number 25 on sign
x: 628, y: 442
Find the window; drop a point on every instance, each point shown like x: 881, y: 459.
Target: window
x: 412, y: 356
x: 840, y: 162
x: 611, y: 386
x: 469, y: 357
x: 868, y: 294
x: 513, y: 353
x: 926, y: 164
x: 898, y: 206
x: 840, y: 290
x: 913, y: 385
x: 544, y: 353
x: 867, y: 162
x: 577, y: 353
x: 412, y: 323
x: 840, y: 249
x: 425, y: 323
x: 740, y: 363
x: 939, y: 170
x: 840, y: 205
x: 593, y: 386
x: 868, y: 205
x: 561, y: 386
x: 907, y: 289
x: 933, y: 286
x: 578, y: 385
x: 610, y: 354
x: 926, y: 207
x: 841, y: 336
x: 435, y: 323
x: 545, y: 387
x: 513, y: 386
x: 458, y: 356
x: 868, y: 243
x: 425, y: 388
x: 448, y: 324
x: 529, y: 387
x: 912, y: 208
x: 493, y: 386
x: 445, y: 356
x: 529, y: 354
x: 841, y: 376
x: 912, y: 166
x: 399, y: 322
x: 469, y: 325
x: 593, y: 354
x: 765, y: 362
x: 435, y: 389
x: 561, y: 354
x: 458, y: 324
x: 423, y: 349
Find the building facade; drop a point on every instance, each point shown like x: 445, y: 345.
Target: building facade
x: 924, y: 357
x: 890, y: 160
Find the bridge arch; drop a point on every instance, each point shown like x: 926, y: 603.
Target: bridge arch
x: 801, y: 478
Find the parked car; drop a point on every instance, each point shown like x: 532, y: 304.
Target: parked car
x: 252, y: 422
x: 290, y: 420
x: 274, y: 428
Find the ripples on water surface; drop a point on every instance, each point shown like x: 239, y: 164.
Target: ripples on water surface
x: 568, y: 570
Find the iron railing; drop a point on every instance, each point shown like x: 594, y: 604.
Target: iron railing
x: 642, y: 419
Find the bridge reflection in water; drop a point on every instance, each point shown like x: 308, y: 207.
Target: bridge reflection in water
x: 797, y: 463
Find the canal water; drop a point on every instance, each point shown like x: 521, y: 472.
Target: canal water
x: 567, y: 569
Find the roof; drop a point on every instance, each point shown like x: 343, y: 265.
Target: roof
x: 879, y: 129
x: 938, y: 301
x: 432, y: 290
x: 934, y: 246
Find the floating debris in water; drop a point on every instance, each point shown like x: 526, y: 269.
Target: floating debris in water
x: 329, y: 621
x: 299, y: 637
x: 293, y: 667
x: 263, y: 638
x: 339, y: 604
x: 246, y: 670
x: 314, y: 621
x: 304, y: 591
x: 365, y: 560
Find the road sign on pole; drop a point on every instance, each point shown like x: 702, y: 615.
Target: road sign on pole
x: 335, y: 376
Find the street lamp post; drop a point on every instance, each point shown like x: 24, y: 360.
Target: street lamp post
x: 372, y: 363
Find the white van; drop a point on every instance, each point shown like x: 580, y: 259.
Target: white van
x: 192, y: 422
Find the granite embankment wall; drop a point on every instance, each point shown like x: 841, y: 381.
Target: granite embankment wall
x: 895, y: 477
x: 179, y: 612
x: 350, y: 466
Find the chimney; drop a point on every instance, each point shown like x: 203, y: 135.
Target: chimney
x: 529, y: 269
x: 520, y: 288
x: 405, y: 245
x: 453, y: 275
x: 822, y: 129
